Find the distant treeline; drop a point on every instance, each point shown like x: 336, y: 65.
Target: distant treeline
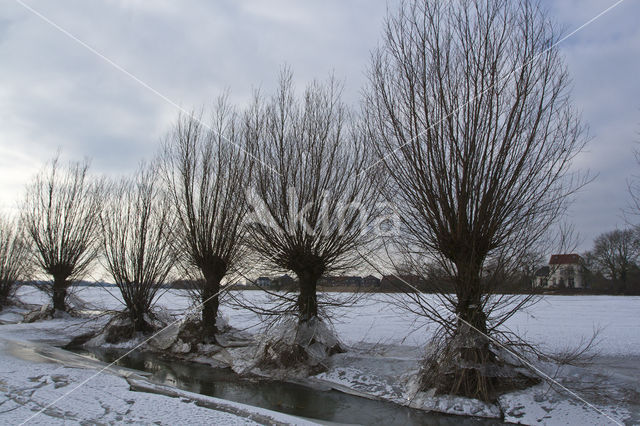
x: 596, y: 285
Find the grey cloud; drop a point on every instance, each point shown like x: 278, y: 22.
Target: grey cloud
x: 55, y: 93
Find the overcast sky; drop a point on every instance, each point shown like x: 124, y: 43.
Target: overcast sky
x: 57, y: 94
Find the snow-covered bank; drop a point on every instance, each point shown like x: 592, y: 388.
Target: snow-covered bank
x: 386, y: 373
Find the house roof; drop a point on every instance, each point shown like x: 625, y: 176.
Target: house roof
x: 564, y: 259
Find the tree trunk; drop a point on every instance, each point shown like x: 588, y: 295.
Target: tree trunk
x: 307, y: 299
x: 472, y: 321
x: 469, y: 311
x: 60, y: 285
x: 470, y: 342
x: 136, y: 313
x: 210, y: 305
x: 622, y: 285
x: 5, y: 290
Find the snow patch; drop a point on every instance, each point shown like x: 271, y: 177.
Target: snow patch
x: 296, y: 349
x: 355, y: 379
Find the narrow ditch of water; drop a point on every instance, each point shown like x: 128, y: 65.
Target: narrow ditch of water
x: 298, y: 400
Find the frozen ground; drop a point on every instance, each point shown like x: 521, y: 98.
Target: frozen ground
x: 386, y: 345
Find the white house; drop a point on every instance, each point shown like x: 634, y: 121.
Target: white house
x: 563, y: 271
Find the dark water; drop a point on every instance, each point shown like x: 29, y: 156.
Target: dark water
x: 298, y: 400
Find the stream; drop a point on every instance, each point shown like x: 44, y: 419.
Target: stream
x: 290, y: 398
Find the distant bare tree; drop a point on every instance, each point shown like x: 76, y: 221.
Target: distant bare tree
x: 615, y: 254
x: 137, y: 223
x: 311, y: 207
x: 61, y: 214
x: 469, y: 108
x: 14, y: 258
x: 207, y: 171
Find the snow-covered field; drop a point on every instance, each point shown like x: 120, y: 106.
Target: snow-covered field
x: 556, y: 322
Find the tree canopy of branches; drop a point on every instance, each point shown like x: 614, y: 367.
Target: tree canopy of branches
x: 207, y: 171
x: 14, y: 258
x: 311, y: 207
x: 615, y: 254
x: 470, y: 111
x: 137, y: 222
x: 61, y: 215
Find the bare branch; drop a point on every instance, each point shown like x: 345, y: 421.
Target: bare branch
x: 137, y: 228
x: 14, y: 258
x: 61, y: 214
x: 206, y: 178
x: 469, y: 109
x: 312, y: 216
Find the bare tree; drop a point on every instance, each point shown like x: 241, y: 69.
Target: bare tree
x: 61, y: 214
x: 207, y: 171
x: 311, y: 207
x: 615, y: 254
x: 469, y: 108
x: 14, y: 258
x: 137, y: 224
